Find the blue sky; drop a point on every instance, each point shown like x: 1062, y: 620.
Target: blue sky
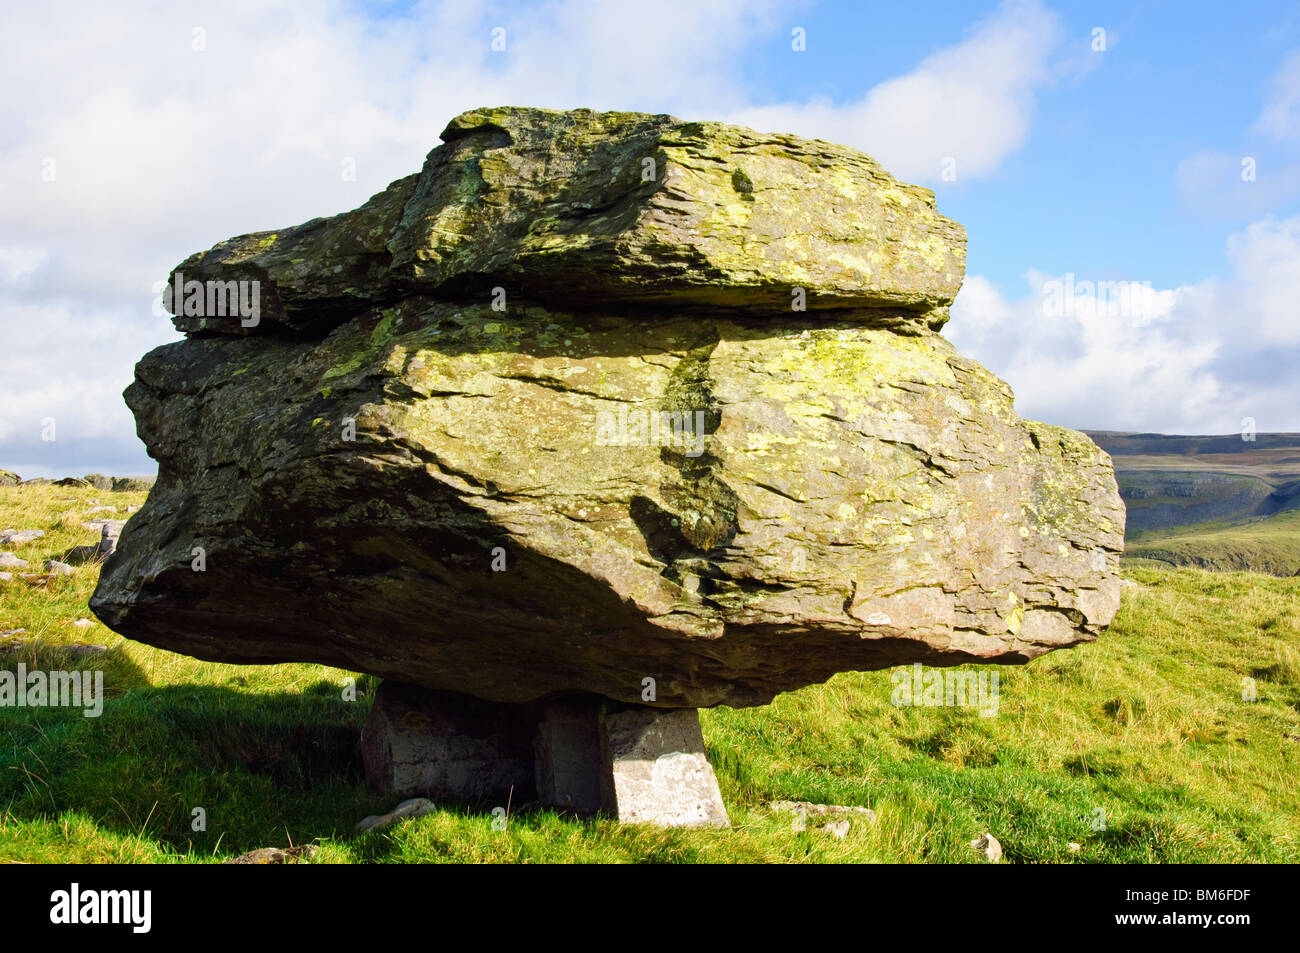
x: 172, y: 126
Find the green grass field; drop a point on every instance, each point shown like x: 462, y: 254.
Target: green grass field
x: 1269, y: 545
x: 1138, y: 748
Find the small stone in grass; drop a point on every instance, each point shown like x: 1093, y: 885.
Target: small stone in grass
x: 10, y: 561
x: 276, y: 855
x: 415, y: 807
x: 823, y: 810
x: 54, y: 567
x: 83, y: 650
x: 988, y: 845
x: 838, y: 828
x: 17, y: 537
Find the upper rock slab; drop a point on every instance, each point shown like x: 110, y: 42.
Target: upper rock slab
x: 583, y: 208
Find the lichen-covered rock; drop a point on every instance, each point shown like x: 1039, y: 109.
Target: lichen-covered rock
x: 586, y: 208
x: 675, y: 504
x: 859, y: 499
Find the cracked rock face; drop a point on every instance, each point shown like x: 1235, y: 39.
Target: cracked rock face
x: 644, y: 467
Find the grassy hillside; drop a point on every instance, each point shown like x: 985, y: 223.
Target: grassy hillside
x: 1219, y: 503
x: 1147, y: 726
x: 1270, y: 545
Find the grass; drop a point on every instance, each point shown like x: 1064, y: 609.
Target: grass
x: 1269, y: 545
x: 1147, y: 726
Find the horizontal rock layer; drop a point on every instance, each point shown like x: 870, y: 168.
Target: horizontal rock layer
x: 504, y: 521
x: 586, y: 209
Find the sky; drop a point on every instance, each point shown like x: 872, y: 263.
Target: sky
x: 1128, y: 173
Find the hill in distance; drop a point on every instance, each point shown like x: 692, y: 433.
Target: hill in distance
x: 1214, y: 502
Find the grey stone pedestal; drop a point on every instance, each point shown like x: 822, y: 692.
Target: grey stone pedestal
x: 585, y: 754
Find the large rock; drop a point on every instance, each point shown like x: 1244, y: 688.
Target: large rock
x: 599, y: 208
x: 497, y: 503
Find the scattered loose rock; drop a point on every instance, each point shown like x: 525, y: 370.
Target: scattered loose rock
x: 10, y: 561
x: 823, y: 810
x: 839, y: 829
x: 840, y: 813
x: 126, y: 484
x: 83, y: 623
x: 989, y: 846
x: 84, y: 650
x: 19, y: 537
x: 415, y: 807
x: 57, y: 568
x: 276, y: 855
x: 101, y: 509
x: 6, y: 577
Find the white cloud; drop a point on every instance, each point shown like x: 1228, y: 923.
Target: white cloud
x: 1193, y: 359
x: 159, y: 149
x: 1280, y: 116
x: 971, y: 102
x: 1265, y: 174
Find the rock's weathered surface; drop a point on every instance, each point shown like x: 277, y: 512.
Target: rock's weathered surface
x: 580, y: 208
x: 497, y: 502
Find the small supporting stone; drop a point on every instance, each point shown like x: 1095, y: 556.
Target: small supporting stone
x: 447, y: 745
x: 657, y: 769
x: 585, y: 754
x: 568, y: 759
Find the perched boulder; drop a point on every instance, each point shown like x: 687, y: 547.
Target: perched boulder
x: 642, y: 479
